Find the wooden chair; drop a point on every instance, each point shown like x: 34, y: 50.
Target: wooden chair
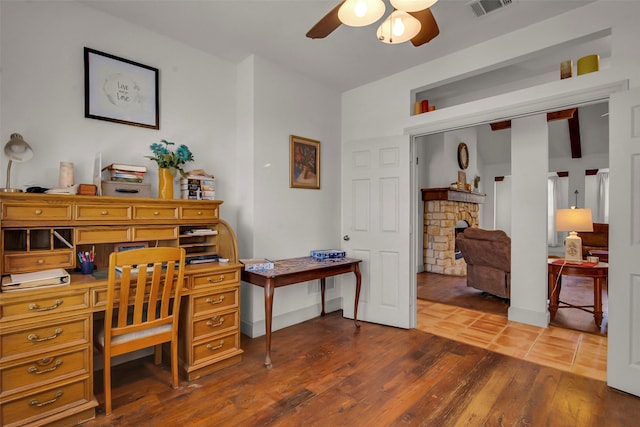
x: 151, y: 280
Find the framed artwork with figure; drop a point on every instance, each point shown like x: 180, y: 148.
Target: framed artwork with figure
x: 304, y: 162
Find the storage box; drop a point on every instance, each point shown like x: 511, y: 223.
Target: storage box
x: 327, y: 254
x: 126, y: 189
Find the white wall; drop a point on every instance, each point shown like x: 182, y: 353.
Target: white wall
x: 290, y: 222
x: 43, y: 97
x: 235, y: 118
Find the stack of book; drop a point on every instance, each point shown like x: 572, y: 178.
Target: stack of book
x: 124, y: 173
x: 198, y: 185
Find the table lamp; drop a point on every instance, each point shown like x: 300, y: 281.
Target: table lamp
x: 573, y: 220
x: 17, y: 150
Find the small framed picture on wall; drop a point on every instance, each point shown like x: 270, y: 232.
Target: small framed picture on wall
x: 304, y: 162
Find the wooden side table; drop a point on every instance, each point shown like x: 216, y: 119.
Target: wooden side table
x: 599, y: 273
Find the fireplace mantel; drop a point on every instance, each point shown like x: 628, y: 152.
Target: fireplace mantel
x: 445, y: 193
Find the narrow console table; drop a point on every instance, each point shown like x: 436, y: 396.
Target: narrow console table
x: 296, y: 270
x: 598, y: 273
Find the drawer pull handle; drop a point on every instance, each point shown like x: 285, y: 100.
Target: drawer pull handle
x: 35, y: 338
x: 156, y: 213
x: 35, y: 370
x: 218, y: 347
x: 35, y: 402
x: 219, y: 321
x: 212, y: 302
x: 199, y: 212
x: 40, y: 261
x: 104, y: 213
x: 218, y: 280
x: 36, y: 307
x: 38, y: 212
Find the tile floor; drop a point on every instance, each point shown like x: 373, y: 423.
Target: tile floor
x: 578, y: 352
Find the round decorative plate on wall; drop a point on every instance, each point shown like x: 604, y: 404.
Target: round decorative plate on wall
x: 463, y: 156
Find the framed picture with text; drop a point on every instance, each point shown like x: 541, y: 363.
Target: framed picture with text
x: 304, y: 162
x: 119, y: 90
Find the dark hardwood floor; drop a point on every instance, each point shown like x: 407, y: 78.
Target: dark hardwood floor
x: 453, y: 290
x: 328, y: 373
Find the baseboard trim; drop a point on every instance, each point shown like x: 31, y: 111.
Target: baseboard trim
x: 280, y: 321
x: 529, y: 317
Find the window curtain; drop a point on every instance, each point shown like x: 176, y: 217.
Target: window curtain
x: 602, y: 214
x: 552, y: 206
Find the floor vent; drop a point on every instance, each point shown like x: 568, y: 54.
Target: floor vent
x: 483, y: 7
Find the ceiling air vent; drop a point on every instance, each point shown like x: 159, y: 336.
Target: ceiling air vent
x: 482, y: 7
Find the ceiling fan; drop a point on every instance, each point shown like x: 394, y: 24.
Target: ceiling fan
x: 410, y: 20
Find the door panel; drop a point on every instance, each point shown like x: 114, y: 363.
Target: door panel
x: 375, y: 216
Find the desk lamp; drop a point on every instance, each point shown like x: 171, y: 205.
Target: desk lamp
x: 17, y: 150
x: 573, y: 220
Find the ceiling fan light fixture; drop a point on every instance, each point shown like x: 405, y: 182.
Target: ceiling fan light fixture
x: 399, y: 27
x: 358, y: 13
x: 412, y: 5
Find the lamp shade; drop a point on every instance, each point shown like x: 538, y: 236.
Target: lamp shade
x: 412, y: 5
x: 399, y: 27
x: 358, y: 13
x: 574, y: 220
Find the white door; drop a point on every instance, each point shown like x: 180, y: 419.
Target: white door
x: 623, y: 359
x: 375, y: 223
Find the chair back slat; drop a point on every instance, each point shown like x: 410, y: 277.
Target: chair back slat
x: 148, y: 280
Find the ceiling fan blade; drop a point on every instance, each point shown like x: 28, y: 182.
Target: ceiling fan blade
x: 326, y: 25
x: 429, y: 29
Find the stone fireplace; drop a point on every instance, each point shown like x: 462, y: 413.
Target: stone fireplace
x: 444, y: 209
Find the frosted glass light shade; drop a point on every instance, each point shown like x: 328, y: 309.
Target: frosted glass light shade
x: 358, y: 13
x: 412, y: 5
x: 399, y: 27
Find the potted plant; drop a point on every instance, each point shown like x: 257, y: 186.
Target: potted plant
x: 169, y: 162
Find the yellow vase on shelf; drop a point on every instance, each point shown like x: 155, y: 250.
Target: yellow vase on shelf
x: 165, y: 183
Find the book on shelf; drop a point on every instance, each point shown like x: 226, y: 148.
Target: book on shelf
x: 51, y: 277
x: 124, y: 167
x: 201, y: 232
x: 198, y: 186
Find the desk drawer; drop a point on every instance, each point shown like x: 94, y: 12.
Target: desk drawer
x: 154, y: 233
x: 40, y: 404
x: 38, y: 339
x: 217, y: 278
x: 110, y: 212
x: 44, y: 368
x: 222, y: 300
x: 23, y: 262
x: 215, y: 324
x: 102, y: 235
x: 155, y: 212
x: 199, y: 212
x: 216, y: 347
x: 35, y: 303
x: 32, y: 212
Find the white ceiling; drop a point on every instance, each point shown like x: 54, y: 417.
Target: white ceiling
x: 347, y: 58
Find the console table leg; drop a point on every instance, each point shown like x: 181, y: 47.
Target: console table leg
x: 268, y: 307
x: 597, y: 300
x: 356, y: 271
x: 322, y: 289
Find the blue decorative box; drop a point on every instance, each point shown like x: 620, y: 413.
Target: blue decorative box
x: 327, y: 254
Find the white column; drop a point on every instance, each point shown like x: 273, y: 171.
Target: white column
x: 529, y: 165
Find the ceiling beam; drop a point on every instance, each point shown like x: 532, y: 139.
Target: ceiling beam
x: 574, y: 137
x: 551, y: 117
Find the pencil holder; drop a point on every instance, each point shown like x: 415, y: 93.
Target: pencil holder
x: 86, y: 267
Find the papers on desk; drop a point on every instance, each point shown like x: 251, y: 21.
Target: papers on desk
x: 52, y: 277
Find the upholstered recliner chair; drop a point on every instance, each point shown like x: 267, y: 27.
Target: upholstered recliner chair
x: 598, y: 239
x: 488, y: 257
